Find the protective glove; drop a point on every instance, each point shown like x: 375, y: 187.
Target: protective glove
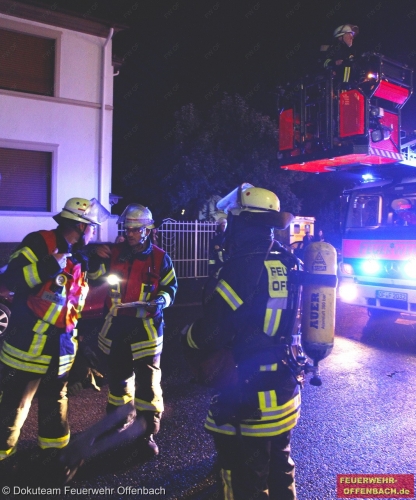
x: 155, y: 306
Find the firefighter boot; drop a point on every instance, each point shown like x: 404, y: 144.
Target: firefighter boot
x: 146, y: 443
x: 149, y: 447
x: 52, y: 471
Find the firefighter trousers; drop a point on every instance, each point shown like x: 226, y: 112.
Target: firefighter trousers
x: 138, y: 380
x: 256, y: 467
x: 18, y: 389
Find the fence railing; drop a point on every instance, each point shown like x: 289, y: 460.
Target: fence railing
x: 187, y: 243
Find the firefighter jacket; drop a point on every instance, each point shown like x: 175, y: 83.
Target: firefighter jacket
x: 46, y: 299
x: 217, y: 254
x: 144, y: 276
x: 250, y: 313
x: 344, y: 72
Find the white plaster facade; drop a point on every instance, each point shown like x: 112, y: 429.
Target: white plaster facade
x: 75, y: 124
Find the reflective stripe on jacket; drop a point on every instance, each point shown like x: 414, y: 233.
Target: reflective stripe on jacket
x: 59, y: 301
x: 253, y: 312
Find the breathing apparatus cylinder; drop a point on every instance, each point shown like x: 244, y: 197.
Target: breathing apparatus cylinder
x: 319, y: 300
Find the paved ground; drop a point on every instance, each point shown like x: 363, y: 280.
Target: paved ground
x: 360, y: 420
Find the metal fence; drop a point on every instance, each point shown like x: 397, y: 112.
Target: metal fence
x: 187, y: 243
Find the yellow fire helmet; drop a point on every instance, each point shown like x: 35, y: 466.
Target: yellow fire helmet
x: 247, y: 198
x: 136, y: 215
x: 83, y: 210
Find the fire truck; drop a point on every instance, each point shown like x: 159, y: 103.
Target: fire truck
x: 324, y: 127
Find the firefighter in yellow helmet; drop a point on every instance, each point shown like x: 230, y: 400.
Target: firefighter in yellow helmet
x: 47, y: 273
x: 240, y: 347
x: 339, y: 57
x: 143, y: 284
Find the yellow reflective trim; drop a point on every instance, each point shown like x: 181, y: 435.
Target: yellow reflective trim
x: 24, y: 366
x: 41, y: 326
x: 271, y: 321
x: 226, y: 481
x: 103, y: 348
x: 149, y: 351
x: 23, y: 355
x: 169, y: 277
x: 7, y: 453
x: 143, y: 295
x: 227, y: 429
x: 97, y: 274
x: 267, y: 399
x: 191, y: 343
x: 270, y: 429
x: 347, y: 71
x: 147, y: 348
x: 142, y: 405
x: 147, y: 343
x: 119, y: 400
x: 106, y: 326
x: 105, y: 341
x: 229, y: 295
x: 150, y: 328
x: 61, y: 442
x: 37, y: 345
x: 27, y: 252
x: 52, y: 314
x: 269, y: 368
x: 30, y: 273
x: 65, y: 368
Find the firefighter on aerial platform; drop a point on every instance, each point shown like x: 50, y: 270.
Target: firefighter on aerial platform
x: 132, y: 336
x: 47, y: 272
x: 217, y: 254
x: 339, y: 57
x: 241, y: 347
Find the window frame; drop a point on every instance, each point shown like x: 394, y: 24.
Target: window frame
x: 29, y: 29
x: 36, y: 146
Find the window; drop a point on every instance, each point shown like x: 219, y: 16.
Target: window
x: 27, y: 63
x: 364, y: 211
x: 25, y: 180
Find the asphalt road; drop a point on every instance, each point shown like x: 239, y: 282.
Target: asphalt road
x: 361, y: 420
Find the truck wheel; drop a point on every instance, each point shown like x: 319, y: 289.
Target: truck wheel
x: 4, y: 319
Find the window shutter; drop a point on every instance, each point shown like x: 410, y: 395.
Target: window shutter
x: 25, y: 180
x: 27, y: 63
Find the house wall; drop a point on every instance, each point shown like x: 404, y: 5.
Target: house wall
x: 67, y: 124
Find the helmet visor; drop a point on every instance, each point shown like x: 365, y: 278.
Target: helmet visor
x: 233, y: 200
x: 96, y: 213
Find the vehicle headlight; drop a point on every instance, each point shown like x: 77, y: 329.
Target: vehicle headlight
x: 410, y: 269
x: 371, y: 266
x: 347, y: 292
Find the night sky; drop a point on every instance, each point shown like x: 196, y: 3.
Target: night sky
x: 181, y: 51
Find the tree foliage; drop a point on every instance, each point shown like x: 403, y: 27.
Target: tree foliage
x: 219, y: 149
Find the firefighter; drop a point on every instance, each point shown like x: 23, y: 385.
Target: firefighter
x: 217, y: 254
x: 240, y: 347
x: 339, y: 57
x: 47, y: 273
x: 132, y: 337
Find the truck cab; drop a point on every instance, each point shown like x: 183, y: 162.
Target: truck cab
x: 378, y: 267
